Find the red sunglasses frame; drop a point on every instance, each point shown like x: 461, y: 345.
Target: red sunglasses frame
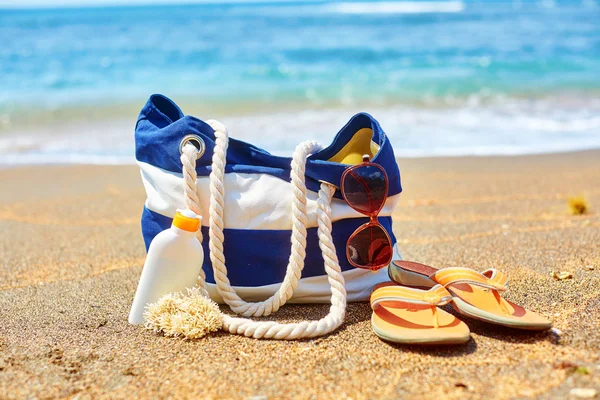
x: 373, y: 221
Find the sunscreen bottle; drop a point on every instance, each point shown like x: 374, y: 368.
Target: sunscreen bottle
x: 173, y: 263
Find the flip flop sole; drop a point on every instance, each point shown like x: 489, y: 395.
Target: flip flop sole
x: 418, y: 337
x: 466, y: 309
x: 426, y: 342
x: 409, y: 278
x: 413, y: 279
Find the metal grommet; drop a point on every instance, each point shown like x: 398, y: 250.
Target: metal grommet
x: 193, y: 138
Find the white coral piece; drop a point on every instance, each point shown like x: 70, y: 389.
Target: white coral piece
x: 191, y: 316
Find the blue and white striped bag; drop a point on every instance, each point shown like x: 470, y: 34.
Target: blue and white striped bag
x: 257, y: 223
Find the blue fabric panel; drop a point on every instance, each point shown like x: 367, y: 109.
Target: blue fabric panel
x: 161, y: 125
x: 260, y: 257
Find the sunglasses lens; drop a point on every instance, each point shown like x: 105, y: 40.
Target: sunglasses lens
x: 370, y: 248
x: 365, y: 188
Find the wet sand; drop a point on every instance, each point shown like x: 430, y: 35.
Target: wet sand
x: 71, y: 253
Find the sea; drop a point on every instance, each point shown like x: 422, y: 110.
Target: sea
x: 444, y: 78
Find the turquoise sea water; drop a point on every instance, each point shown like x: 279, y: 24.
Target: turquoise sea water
x: 448, y: 77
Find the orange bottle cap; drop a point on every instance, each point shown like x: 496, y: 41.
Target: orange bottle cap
x: 186, y: 223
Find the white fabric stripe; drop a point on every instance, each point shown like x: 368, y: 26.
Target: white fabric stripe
x: 315, y: 289
x: 253, y: 201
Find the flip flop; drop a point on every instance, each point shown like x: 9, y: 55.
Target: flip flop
x: 411, y: 316
x: 476, y: 295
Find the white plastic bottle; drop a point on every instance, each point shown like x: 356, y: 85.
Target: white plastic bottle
x: 174, y: 260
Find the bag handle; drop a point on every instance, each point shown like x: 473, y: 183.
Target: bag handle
x: 268, y: 329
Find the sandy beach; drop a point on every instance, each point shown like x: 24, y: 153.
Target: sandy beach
x: 71, y: 253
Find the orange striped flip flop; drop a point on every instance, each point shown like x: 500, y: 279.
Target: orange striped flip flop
x: 411, y: 316
x: 476, y: 295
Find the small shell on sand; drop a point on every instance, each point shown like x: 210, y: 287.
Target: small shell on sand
x: 559, y: 276
x: 556, y: 331
x: 583, y: 393
x: 577, y: 205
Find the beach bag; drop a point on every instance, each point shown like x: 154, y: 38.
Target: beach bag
x: 277, y: 227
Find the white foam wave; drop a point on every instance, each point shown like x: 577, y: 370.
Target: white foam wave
x: 14, y: 159
x: 485, y: 151
x: 12, y: 4
x: 401, y: 7
x: 509, y: 127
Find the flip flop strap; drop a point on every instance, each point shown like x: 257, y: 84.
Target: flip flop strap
x: 436, y: 296
x: 490, y: 278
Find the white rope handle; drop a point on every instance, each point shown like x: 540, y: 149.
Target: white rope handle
x: 189, y: 154
x: 261, y: 329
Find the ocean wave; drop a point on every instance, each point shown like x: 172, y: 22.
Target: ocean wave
x: 515, y: 126
x: 401, y: 7
x: 16, y: 159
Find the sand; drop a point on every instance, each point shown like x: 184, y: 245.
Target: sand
x: 71, y: 253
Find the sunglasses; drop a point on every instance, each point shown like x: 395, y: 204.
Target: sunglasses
x: 365, y: 188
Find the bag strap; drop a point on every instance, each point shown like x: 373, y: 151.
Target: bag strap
x: 268, y: 329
